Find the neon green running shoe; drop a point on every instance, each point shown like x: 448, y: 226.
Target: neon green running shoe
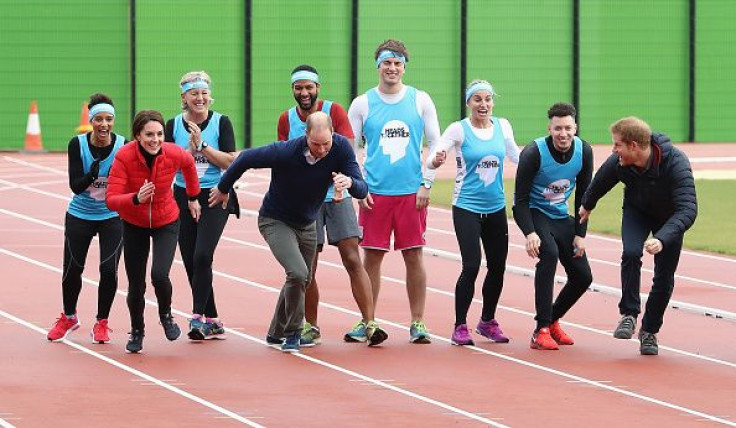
x: 375, y: 334
x: 418, y: 333
x: 310, y: 335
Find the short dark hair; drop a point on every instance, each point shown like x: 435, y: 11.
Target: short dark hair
x: 143, y: 117
x: 562, y: 110
x: 99, y: 98
x: 396, y: 46
x: 304, y: 67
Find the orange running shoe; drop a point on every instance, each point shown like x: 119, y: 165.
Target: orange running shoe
x: 541, y: 339
x: 100, y: 332
x: 558, y: 335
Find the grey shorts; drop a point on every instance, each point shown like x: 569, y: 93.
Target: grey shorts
x: 340, y: 221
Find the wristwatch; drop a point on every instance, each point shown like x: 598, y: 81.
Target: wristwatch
x: 202, y: 146
x: 427, y: 184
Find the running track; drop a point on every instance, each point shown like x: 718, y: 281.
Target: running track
x: 598, y: 381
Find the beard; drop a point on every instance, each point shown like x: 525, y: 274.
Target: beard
x: 309, y: 104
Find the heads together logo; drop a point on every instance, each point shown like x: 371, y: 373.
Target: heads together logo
x: 487, y: 169
x: 394, y: 139
x: 555, y: 191
x: 98, y: 189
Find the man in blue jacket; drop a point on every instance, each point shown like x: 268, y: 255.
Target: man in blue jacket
x: 659, y: 198
x: 302, y: 170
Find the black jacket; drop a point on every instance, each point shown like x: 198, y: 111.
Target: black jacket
x: 665, y: 191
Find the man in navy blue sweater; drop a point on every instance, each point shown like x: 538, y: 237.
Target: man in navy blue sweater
x: 302, y: 170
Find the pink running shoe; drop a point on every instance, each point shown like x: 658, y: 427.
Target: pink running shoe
x: 63, y: 327
x: 461, y: 336
x: 100, y: 332
x: 492, y: 331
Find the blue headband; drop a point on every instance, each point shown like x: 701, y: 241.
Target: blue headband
x: 304, y: 75
x: 101, y: 108
x: 197, y: 84
x: 480, y: 86
x: 384, y: 55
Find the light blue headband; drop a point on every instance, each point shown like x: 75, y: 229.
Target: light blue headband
x: 384, y: 55
x: 480, y: 86
x: 101, y: 108
x: 197, y: 84
x: 304, y: 75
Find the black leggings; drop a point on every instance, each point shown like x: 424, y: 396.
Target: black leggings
x: 197, y: 244
x: 471, y: 229
x: 78, y: 234
x: 136, y: 249
x: 557, y: 237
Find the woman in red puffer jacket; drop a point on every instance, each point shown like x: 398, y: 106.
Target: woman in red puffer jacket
x: 139, y: 189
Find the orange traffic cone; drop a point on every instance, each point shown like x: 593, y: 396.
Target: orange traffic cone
x: 84, y: 125
x: 33, y: 142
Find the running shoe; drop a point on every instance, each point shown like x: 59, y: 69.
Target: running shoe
x: 274, y: 342
x: 418, y: 333
x: 491, y: 330
x: 171, y: 330
x: 196, y: 328
x: 648, y: 343
x: 291, y: 344
x: 626, y: 327
x: 558, y: 335
x: 375, y: 334
x: 135, y: 342
x: 214, y: 329
x: 357, y: 333
x: 542, y: 339
x: 62, y: 327
x: 311, y: 333
x: 100, y: 332
x: 461, y: 336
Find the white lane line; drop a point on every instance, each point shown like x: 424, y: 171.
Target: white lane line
x: 521, y: 271
x: 5, y: 424
x: 713, y: 159
x: 326, y: 364
x: 262, y: 177
x: 121, y: 366
x: 550, y: 370
x: 616, y: 240
x: 609, y: 263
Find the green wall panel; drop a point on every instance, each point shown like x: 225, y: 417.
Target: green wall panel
x: 59, y: 53
x: 188, y: 35
x: 634, y: 61
x: 430, y: 29
x: 287, y: 33
x: 715, y: 96
x: 529, y: 65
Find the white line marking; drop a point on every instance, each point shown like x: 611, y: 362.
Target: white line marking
x: 262, y: 287
x: 120, y: 365
x: 253, y: 339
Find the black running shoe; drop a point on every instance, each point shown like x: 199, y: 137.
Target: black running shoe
x: 135, y: 342
x: 648, y: 343
x: 171, y: 330
x: 626, y: 327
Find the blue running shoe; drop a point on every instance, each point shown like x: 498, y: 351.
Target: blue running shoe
x: 196, y: 328
x: 291, y: 344
x: 358, y: 333
x: 214, y: 330
x: 418, y: 333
